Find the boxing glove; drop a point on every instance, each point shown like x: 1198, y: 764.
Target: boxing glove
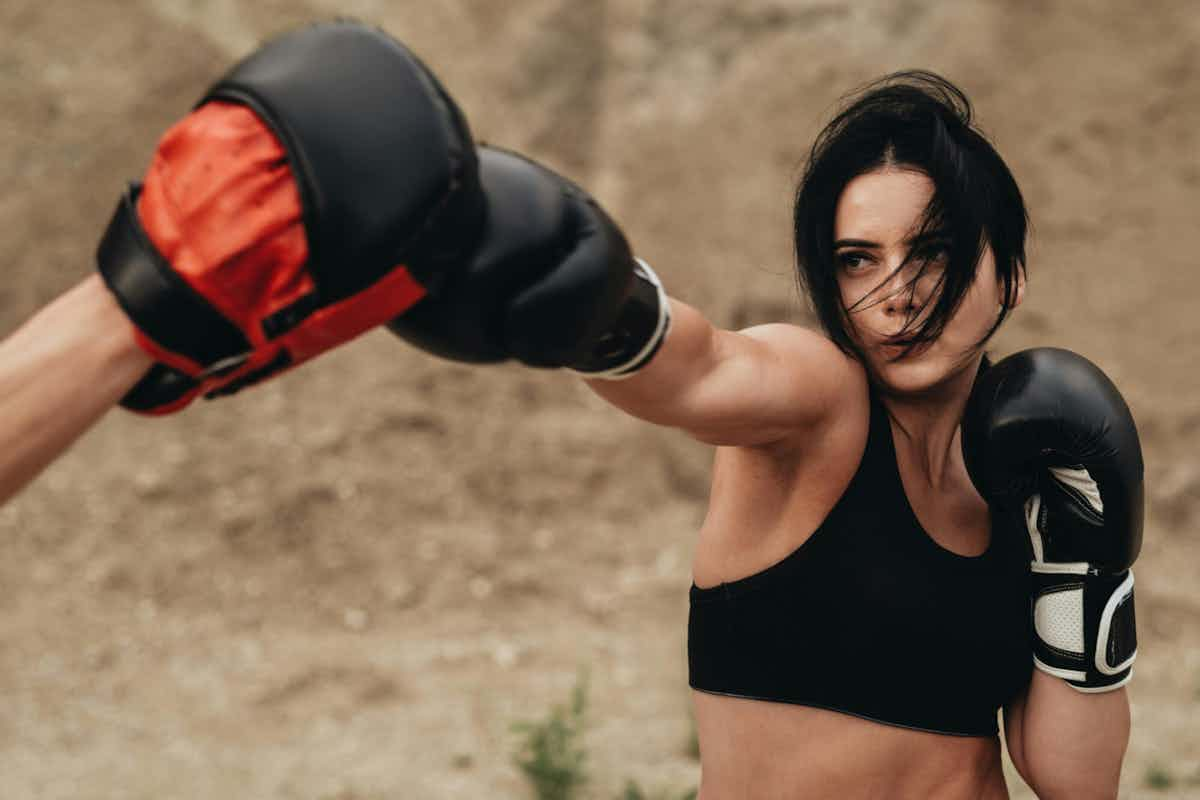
x: 320, y: 188
x: 552, y: 282
x: 1046, y: 431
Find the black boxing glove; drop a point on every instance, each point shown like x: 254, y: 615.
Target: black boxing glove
x: 551, y: 284
x: 1046, y: 430
x: 320, y: 188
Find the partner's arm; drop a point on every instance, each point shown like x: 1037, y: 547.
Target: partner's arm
x: 59, y: 373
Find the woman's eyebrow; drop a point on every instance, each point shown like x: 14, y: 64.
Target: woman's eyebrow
x: 927, y: 236
x: 918, y: 238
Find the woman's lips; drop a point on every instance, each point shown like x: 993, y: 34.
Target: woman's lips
x: 893, y: 351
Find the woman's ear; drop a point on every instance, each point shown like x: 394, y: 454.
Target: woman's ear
x: 1018, y: 288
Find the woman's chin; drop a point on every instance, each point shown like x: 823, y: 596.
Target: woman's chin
x: 915, y: 374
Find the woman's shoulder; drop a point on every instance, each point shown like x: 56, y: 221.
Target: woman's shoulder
x: 807, y: 346
x: 831, y: 386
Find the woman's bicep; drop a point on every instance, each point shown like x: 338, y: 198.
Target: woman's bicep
x: 769, y: 383
x: 739, y: 388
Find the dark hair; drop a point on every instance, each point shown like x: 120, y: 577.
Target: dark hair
x: 918, y: 120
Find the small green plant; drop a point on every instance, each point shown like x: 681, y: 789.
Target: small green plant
x: 634, y: 792
x: 551, y: 754
x: 692, y: 749
x: 1159, y: 777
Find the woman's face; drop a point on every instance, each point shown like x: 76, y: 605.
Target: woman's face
x: 877, y: 216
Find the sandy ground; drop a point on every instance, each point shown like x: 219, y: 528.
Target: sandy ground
x: 350, y: 582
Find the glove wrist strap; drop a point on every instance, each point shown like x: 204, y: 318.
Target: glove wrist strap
x: 638, y: 333
x: 1084, y: 626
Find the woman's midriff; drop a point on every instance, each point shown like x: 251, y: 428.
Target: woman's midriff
x: 752, y: 749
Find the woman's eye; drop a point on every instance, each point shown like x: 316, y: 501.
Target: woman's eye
x: 934, y: 253
x: 852, y: 261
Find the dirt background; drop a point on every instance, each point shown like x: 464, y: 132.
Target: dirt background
x: 350, y: 582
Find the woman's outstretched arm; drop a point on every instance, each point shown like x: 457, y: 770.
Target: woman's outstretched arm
x: 553, y: 283
x: 59, y: 373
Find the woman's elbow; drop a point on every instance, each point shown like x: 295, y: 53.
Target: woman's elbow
x: 1054, y: 778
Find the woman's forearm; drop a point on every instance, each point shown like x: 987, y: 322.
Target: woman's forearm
x: 1071, y: 743
x: 659, y: 390
x: 59, y: 373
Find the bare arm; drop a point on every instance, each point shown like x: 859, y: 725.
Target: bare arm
x: 59, y: 373
x: 743, y: 388
x: 1065, y: 743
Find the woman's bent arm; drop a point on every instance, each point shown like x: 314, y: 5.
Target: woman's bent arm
x: 743, y: 388
x: 1065, y: 743
x: 59, y: 373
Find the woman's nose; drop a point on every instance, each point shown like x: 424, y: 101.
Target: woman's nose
x: 900, y: 293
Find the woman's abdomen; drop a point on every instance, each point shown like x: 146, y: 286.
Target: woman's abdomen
x: 755, y: 749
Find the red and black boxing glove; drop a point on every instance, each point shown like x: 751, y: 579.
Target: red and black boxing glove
x: 552, y: 283
x: 1047, y: 433
x: 321, y: 188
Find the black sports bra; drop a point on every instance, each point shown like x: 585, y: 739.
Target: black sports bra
x: 873, y: 618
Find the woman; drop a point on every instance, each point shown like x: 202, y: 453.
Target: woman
x: 856, y: 619
x: 841, y: 509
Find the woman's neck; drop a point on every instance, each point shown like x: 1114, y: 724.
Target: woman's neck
x: 926, y: 425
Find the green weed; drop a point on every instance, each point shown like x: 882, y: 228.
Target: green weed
x: 634, y: 792
x: 553, y: 758
x: 1159, y: 777
x: 692, y: 748
x: 551, y: 753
